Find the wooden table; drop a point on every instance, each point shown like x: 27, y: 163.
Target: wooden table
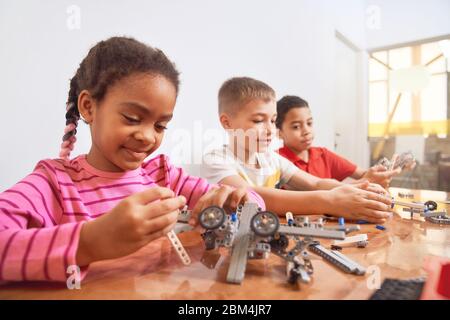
x: 154, y: 272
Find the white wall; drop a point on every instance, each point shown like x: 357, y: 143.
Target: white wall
x: 289, y: 44
x: 404, y: 21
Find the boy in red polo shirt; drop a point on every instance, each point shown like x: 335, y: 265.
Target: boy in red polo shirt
x: 295, y: 124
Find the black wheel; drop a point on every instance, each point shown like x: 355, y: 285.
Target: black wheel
x: 431, y: 205
x: 212, y: 217
x: 265, y: 224
x: 280, y: 244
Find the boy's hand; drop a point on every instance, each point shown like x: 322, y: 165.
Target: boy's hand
x: 372, y: 187
x: 380, y: 175
x: 133, y: 223
x: 411, y: 165
x: 222, y: 196
x: 357, y: 202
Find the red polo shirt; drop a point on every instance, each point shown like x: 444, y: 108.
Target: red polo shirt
x: 322, y: 163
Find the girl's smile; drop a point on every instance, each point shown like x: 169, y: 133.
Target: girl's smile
x: 135, y: 155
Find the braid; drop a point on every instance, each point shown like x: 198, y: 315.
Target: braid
x: 72, y: 117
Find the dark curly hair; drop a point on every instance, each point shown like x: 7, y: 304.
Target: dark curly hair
x: 287, y: 103
x: 106, y: 63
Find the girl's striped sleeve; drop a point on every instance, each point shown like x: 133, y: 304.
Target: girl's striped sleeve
x: 32, y: 244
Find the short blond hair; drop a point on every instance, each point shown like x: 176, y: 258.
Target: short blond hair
x: 238, y: 91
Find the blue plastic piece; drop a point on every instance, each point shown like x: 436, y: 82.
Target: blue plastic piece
x: 341, y: 221
x: 380, y: 227
x: 234, y: 217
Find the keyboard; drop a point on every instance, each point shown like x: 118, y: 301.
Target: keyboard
x: 395, y: 289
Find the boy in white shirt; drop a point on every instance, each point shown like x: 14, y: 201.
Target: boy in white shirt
x: 247, y: 110
x: 272, y: 170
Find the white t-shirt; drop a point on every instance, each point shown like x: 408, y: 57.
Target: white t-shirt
x: 274, y: 170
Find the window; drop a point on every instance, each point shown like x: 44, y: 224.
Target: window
x: 413, y: 81
x: 409, y: 111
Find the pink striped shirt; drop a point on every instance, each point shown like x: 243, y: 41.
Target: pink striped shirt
x: 41, y: 216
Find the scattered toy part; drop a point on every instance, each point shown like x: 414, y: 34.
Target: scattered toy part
x: 254, y: 234
x: 238, y: 263
x: 179, y: 249
x: 426, y: 210
x: 338, y: 259
x: 350, y: 240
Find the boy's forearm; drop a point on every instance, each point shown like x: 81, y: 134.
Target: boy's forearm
x: 358, y: 174
x: 304, y: 181
x: 327, y: 184
x: 298, y: 202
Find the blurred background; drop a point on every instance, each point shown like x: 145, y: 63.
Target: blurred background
x: 409, y: 109
x: 375, y: 73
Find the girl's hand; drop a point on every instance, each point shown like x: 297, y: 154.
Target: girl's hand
x: 357, y: 202
x: 133, y: 223
x: 223, y: 196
